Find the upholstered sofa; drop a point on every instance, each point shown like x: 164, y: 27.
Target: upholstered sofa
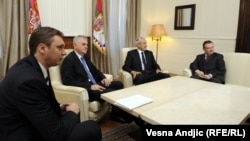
x: 126, y: 77
x: 237, y: 69
x: 66, y: 94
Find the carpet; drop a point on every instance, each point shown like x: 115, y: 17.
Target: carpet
x: 126, y: 132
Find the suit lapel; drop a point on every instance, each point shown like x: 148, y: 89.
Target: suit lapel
x: 79, y: 64
x: 49, y: 88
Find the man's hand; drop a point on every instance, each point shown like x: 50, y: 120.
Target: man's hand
x: 97, y: 87
x: 200, y: 73
x: 158, y: 70
x: 206, y: 76
x: 134, y: 73
x: 106, y: 82
x: 63, y: 107
x: 72, y: 107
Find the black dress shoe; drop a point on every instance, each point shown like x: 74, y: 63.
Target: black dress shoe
x: 118, y: 118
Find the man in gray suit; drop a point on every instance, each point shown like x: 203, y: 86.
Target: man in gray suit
x: 140, y: 63
x: 209, y: 66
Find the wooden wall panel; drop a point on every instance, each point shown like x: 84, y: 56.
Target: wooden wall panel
x: 68, y: 40
x: 243, y: 35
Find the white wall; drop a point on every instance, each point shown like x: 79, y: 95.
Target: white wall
x: 215, y: 20
x: 73, y: 17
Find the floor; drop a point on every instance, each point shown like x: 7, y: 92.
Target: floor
x: 107, y: 124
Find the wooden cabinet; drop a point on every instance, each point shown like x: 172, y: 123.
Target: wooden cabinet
x: 68, y: 40
x: 243, y: 34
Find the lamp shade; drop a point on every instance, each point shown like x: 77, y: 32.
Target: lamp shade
x: 157, y: 30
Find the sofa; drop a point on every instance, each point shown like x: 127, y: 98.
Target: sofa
x: 237, y: 69
x: 93, y: 110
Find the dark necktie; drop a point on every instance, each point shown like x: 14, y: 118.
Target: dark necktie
x: 144, y: 60
x: 47, y: 80
x: 90, y: 76
x: 207, y: 58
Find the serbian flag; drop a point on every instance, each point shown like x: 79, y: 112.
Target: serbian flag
x: 98, y: 28
x: 34, y: 18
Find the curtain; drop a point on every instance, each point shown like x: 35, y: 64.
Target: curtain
x: 180, y: 18
x: 13, y: 28
x: 122, y: 27
x: 133, y: 24
x: 1, y: 56
x: 116, y: 32
x: 114, y: 12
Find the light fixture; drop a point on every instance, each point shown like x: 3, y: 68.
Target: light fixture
x: 157, y: 31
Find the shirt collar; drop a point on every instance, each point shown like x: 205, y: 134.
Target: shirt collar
x: 139, y: 51
x: 78, y: 55
x: 45, y: 73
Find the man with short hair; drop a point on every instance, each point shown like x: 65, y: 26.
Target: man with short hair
x: 78, y: 70
x: 209, y: 66
x: 140, y: 63
x: 29, y: 110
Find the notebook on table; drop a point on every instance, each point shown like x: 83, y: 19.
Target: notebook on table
x: 132, y: 102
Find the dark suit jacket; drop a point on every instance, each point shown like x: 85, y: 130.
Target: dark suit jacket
x: 215, y: 65
x: 28, y: 108
x: 133, y: 61
x: 74, y: 74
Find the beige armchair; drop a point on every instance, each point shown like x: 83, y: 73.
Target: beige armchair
x: 66, y: 94
x: 126, y: 77
x: 237, y: 69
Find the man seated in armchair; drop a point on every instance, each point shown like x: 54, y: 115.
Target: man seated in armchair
x: 209, y: 66
x: 78, y: 70
x: 140, y: 63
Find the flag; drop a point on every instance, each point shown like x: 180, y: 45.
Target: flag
x: 98, y: 28
x: 34, y: 18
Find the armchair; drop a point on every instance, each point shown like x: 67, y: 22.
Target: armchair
x: 126, y: 77
x: 237, y: 67
x: 93, y: 110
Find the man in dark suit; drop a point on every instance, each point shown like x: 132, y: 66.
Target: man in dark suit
x: 74, y: 72
x: 140, y: 63
x: 29, y: 110
x: 209, y: 66
x: 78, y: 70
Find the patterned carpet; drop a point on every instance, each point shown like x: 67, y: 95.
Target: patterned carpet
x: 127, y: 132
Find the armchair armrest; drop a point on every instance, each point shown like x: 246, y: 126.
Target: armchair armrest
x: 165, y: 71
x: 187, y: 72
x: 126, y: 78
x: 69, y: 94
x: 109, y: 76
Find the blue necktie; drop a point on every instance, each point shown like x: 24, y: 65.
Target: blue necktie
x: 87, y: 70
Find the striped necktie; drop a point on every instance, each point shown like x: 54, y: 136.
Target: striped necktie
x: 144, y: 60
